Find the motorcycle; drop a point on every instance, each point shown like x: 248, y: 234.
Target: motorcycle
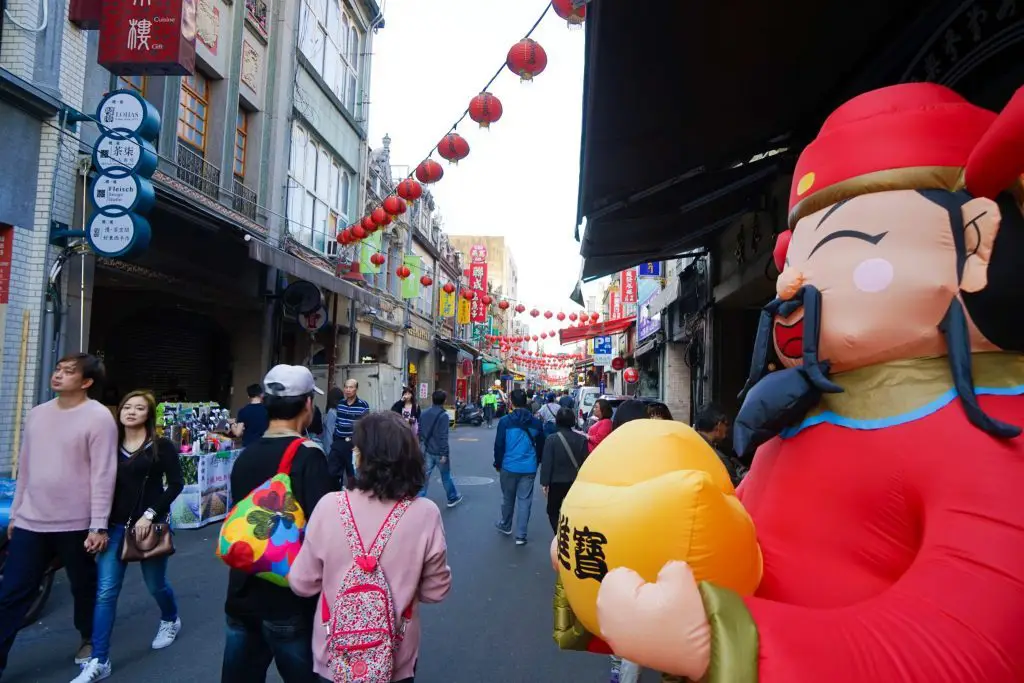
x: 42, y: 593
x: 469, y: 414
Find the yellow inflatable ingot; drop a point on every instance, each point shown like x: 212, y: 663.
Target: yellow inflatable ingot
x: 652, y: 492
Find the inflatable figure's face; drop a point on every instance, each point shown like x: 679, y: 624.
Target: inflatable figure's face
x: 886, y: 266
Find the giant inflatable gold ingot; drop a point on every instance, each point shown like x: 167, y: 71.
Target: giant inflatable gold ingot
x: 652, y: 492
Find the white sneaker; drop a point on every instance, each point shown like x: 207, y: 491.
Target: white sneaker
x: 166, y: 634
x: 94, y: 670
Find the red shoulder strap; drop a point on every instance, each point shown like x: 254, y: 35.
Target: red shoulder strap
x: 289, y: 455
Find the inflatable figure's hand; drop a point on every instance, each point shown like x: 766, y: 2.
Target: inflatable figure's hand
x: 659, y: 625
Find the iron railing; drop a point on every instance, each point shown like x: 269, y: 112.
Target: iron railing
x: 244, y: 200
x: 195, y: 171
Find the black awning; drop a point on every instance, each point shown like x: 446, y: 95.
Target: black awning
x: 675, y: 91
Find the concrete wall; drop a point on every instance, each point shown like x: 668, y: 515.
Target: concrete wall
x: 676, y: 381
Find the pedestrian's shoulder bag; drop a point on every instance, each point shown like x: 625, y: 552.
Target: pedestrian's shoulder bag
x: 425, y: 437
x: 158, y: 542
x: 363, y: 633
x: 263, y: 533
x: 568, y: 450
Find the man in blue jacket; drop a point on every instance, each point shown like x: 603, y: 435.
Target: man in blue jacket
x: 517, y: 448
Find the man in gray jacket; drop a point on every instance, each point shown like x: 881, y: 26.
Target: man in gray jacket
x: 434, y: 442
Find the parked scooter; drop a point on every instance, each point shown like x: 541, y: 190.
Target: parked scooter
x: 468, y: 414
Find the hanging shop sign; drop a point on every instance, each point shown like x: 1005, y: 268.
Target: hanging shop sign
x: 127, y: 110
x: 121, y: 153
x: 118, y: 236
x: 116, y: 195
x: 603, y: 350
x: 649, y: 269
x: 148, y: 37
x: 478, y: 253
x: 311, y: 322
x: 627, y: 288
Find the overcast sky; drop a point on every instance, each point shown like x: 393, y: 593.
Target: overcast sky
x: 521, y: 177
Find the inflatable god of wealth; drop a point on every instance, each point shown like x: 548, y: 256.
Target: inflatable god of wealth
x: 653, y: 491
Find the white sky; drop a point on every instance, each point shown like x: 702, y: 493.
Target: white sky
x: 520, y: 179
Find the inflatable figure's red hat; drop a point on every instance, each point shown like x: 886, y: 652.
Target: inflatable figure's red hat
x: 913, y: 136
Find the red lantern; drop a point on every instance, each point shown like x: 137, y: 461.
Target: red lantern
x: 429, y: 171
x: 426, y: 280
x: 548, y: 314
x: 486, y: 300
x: 394, y: 205
x: 574, y: 16
x: 403, y: 272
x: 409, y: 190
x: 595, y: 316
x: 368, y: 224
x: 526, y: 59
x: 543, y: 335
x: 534, y: 312
x: 572, y: 317
x: 344, y: 237
x: 377, y: 259
x: 520, y: 308
x: 358, y: 232
x: 630, y: 375
x: 467, y: 294
x: 380, y: 217
x: 534, y: 337
x: 560, y: 316
x: 503, y: 305
x: 485, y: 109
x: 618, y: 363
x: 448, y: 288
x: 453, y: 147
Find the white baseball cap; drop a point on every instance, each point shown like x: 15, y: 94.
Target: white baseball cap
x: 290, y: 381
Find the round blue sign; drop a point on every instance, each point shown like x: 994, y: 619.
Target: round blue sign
x: 118, y: 195
x: 128, y: 110
x: 121, y: 153
x: 120, y: 236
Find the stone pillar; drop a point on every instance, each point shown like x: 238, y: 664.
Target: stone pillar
x: 676, y: 381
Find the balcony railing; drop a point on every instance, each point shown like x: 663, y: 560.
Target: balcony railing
x: 194, y: 170
x: 257, y: 11
x: 244, y: 200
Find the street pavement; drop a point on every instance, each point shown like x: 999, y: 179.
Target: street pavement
x: 495, y: 625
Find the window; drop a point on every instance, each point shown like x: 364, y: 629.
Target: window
x: 318, y: 192
x: 136, y: 83
x: 330, y: 40
x: 193, y: 110
x: 241, y: 128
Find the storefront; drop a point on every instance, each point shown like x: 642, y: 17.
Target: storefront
x: 446, y: 359
x: 419, y: 357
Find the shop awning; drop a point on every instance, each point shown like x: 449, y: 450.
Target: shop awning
x: 578, y: 334
x: 293, y: 265
x: 677, y: 93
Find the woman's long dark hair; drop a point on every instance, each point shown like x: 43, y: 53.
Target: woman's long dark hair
x: 408, y: 390
x: 147, y: 396
x: 391, y: 463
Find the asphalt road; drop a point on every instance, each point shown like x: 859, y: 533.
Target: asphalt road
x: 495, y: 626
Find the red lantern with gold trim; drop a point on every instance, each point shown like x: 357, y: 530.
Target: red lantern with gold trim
x: 394, y: 205
x: 574, y: 16
x: 504, y: 305
x: 485, y: 109
x: 429, y: 171
x: 380, y: 217
x: 448, y: 288
x: 595, y: 317
x: 377, y: 259
x: 368, y: 224
x: 453, y: 147
x: 403, y: 272
x: 468, y: 294
x: 409, y: 190
x: 486, y: 300
x: 426, y: 280
x: 358, y: 232
x: 526, y: 59
x: 344, y: 237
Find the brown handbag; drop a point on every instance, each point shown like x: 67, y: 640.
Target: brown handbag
x: 157, y: 543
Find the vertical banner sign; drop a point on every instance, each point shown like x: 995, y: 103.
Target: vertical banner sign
x: 445, y: 304
x: 615, y: 306
x: 478, y: 283
x: 411, y: 284
x: 6, y: 250
x: 463, y: 318
x: 371, y: 246
x: 628, y: 286
x: 148, y: 37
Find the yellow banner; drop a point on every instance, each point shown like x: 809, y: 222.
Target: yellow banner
x: 446, y: 304
x: 463, y: 318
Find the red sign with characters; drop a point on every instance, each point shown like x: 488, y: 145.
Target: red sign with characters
x: 615, y: 306
x: 627, y: 287
x: 148, y: 37
x: 6, y: 250
x: 477, y: 274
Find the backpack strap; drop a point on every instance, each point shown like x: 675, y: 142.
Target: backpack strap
x: 348, y: 523
x: 388, y: 527
x: 289, y: 455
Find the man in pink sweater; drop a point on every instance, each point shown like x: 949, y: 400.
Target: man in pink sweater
x: 67, y: 471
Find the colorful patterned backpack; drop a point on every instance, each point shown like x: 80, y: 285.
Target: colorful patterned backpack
x: 263, y: 533
x: 362, y: 635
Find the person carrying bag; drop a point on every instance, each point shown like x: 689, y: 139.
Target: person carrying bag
x: 564, y: 453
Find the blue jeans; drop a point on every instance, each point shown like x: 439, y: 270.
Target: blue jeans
x: 516, y: 488
x: 111, y: 577
x: 446, y: 476
x: 253, y: 643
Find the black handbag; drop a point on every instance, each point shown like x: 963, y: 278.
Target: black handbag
x: 158, y: 542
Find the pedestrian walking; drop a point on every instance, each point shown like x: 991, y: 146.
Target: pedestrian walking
x: 349, y: 411
x: 407, y: 559
x: 489, y: 403
x: 564, y: 454
x: 253, y: 417
x: 67, y: 470
x: 566, y: 400
x: 436, y: 451
x: 407, y: 408
x: 267, y: 622
x: 518, y: 444
x: 140, y: 499
x: 713, y: 425
x: 547, y: 413
x: 599, y: 431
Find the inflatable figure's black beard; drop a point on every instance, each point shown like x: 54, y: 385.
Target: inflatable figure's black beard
x: 782, y: 398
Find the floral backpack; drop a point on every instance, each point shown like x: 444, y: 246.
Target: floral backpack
x: 362, y: 633
x: 263, y: 533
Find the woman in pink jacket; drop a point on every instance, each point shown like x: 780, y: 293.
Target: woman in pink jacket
x: 389, y: 477
x: 602, y: 410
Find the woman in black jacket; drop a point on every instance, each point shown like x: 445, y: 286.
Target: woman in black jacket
x: 407, y: 408
x: 564, y: 453
x: 140, y: 499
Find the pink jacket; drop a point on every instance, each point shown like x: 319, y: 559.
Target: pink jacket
x: 415, y: 563
x: 598, y: 431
